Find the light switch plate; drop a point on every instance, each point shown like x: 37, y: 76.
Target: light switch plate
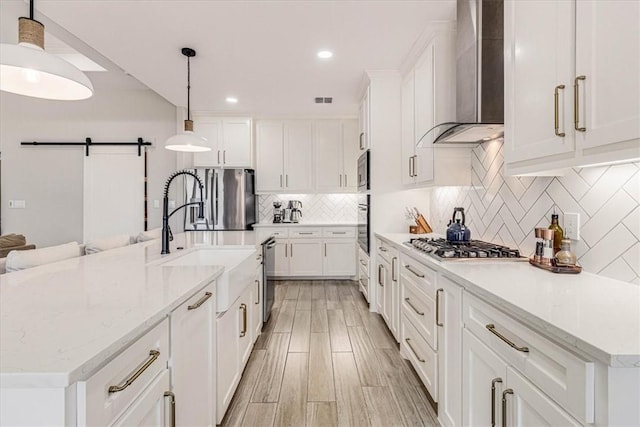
x: 572, y: 226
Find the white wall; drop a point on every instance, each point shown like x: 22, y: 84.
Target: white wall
x: 50, y: 180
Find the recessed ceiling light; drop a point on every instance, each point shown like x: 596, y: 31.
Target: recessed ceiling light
x: 325, y: 54
x: 231, y: 100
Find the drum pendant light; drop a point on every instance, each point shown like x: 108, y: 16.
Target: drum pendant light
x: 26, y: 69
x: 187, y: 141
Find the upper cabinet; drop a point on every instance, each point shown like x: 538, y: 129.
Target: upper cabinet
x: 572, y: 84
x: 428, y: 99
x: 336, y: 153
x: 229, y: 139
x: 284, y: 156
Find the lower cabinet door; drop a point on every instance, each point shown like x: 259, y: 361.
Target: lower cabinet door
x: 152, y: 407
x: 193, y: 359
x: 526, y: 405
x: 484, y: 377
x: 305, y: 257
x: 245, y: 336
x: 228, y: 368
x: 257, y: 304
x: 340, y: 258
x: 281, y: 264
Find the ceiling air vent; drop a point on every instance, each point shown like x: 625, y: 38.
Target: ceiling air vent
x: 325, y: 100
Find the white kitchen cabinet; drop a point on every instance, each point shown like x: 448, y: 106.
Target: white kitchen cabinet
x: 305, y: 257
x: 229, y: 139
x: 389, y: 306
x: 382, y: 281
x: 428, y: 99
x: 336, y: 154
x: 571, y: 56
x: 363, y: 122
x: 256, y: 312
x: 153, y: 407
x: 281, y: 258
x: 363, y: 273
x: 235, y: 339
x: 193, y: 359
x: 449, y: 322
x: 285, y: 156
x: 339, y: 257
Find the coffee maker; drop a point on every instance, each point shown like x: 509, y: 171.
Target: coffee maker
x: 295, y: 207
x: 278, y: 212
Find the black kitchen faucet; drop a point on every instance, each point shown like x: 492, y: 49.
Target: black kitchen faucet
x: 167, y: 236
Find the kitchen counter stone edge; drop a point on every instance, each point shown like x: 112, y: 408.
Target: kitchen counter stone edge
x: 593, y: 315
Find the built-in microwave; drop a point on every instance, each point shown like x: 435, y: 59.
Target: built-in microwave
x: 363, y: 172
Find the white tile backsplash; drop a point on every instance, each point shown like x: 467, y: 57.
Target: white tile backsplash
x: 315, y: 207
x: 507, y: 209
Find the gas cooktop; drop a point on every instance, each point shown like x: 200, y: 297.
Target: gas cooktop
x: 472, y: 250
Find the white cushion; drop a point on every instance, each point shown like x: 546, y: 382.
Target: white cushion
x: 144, y: 236
x: 99, y: 245
x: 20, y: 260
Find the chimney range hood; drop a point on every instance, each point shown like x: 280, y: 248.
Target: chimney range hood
x: 479, y: 77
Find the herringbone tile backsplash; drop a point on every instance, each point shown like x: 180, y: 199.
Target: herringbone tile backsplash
x: 507, y: 209
x: 325, y: 208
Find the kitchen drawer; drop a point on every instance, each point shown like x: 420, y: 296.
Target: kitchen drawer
x: 363, y: 282
x: 363, y: 261
x: 279, y: 232
x: 419, y: 274
x: 562, y: 375
x: 304, y: 232
x: 364, y: 271
x: 385, y: 250
x: 148, y: 356
x: 349, y: 232
x: 420, y: 309
x: 422, y: 357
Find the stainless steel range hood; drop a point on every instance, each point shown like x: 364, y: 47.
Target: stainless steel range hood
x: 479, y: 76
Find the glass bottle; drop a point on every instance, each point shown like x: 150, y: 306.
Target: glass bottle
x: 565, y: 256
x: 557, y: 238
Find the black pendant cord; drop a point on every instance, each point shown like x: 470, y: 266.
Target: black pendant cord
x: 31, y: 10
x: 188, y: 88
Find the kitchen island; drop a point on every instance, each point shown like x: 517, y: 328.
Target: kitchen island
x: 61, y: 323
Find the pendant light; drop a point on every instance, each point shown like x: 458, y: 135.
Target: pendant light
x: 26, y: 69
x: 187, y: 141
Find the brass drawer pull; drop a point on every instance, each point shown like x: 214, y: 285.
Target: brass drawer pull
x: 382, y: 249
x: 153, y: 355
x: 201, y: 301
x: 258, y: 293
x: 416, y: 273
x: 493, y: 400
x: 491, y: 327
x: 504, y: 406
x: 421, y: 360
x: 380, y: 282
x: 305, y: 233
x: 363, y: 263
x: 394, y: 269
x: 408, y: 301
x: 438, y: 323
x: 556, y: 113
x: 173, y: 406
x: 243, y: 307
x: 576, y: 104
x: 338, y: 232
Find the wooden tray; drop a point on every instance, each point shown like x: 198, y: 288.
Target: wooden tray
x: 564, y: 269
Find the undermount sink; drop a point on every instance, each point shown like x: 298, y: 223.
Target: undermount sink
x: 239, y: 270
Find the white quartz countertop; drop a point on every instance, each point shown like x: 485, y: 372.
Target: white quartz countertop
x: 594, y: 315
x: 59, y: 323
x: 306, y: 224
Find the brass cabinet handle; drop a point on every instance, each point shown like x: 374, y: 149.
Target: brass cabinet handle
x: 291, y: 251
x: 218, y: 156
x: 224, y: 157
x: 438, y: 323
x: 173, y: 406
x: 280, y: 180
x: 410, y: 164
x: 243, y: 307
x: 493, y: 400
x: 258, y: 293
x: 504, y: 406
x: 305, y: 233
x: 556, y: 113
x: 338, y: 232
x: 363, y: 263
x: 340, y: 180
x: 394, y: 267
x: 382, y: 249
x: 416, y: 273
x: 286, y: 250
x: 346, y: 180
x: 421, y: 360
x: 153, y: 355
x: 380, y: 267
x: 491, y: 327
x: 287, y: 179
x: 325, y: 250
x: 361, y: 138
x: 413, y: 162
x: 201, y: 301
x: 408, y: 301
x: 576, y: 104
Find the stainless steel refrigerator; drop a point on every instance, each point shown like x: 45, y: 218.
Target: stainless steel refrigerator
x: 230, y: 199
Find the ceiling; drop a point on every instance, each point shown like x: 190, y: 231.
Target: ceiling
x: 262, y: 52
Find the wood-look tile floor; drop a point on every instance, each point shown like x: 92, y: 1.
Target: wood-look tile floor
x: 324, y: 360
